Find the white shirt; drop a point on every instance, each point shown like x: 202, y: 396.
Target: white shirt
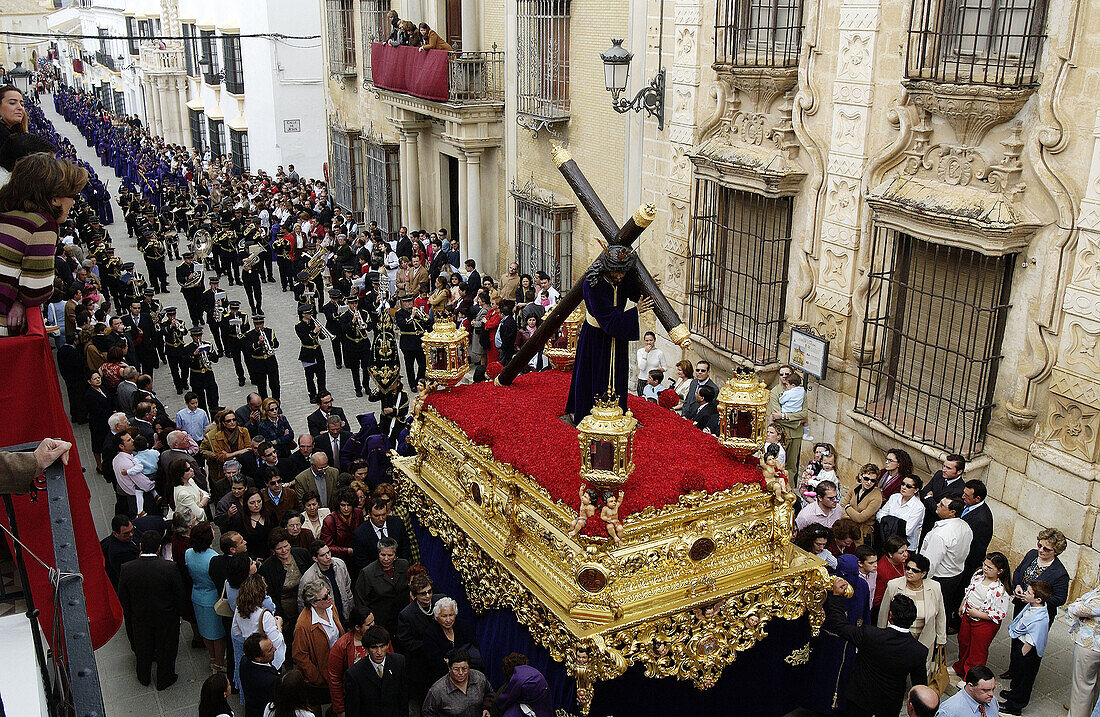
x: 647, y: 361
x: 912, y: 513
x: 946, y: 547
x: 327, y: 623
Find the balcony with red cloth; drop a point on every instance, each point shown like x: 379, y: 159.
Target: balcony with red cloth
x: 455, y: 78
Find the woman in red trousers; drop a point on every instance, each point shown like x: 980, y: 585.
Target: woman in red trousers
x: 986, y: 602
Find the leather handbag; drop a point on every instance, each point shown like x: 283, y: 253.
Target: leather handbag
x: 941, y: 676
x: 222, y: 606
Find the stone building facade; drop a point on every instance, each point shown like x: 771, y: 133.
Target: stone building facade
x: 916, y: 182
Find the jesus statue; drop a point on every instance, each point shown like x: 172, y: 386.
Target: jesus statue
x: 611, y: 323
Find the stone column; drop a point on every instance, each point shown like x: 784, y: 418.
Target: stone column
x: 403, y: 172
x: 158, y: 108
x: 475, y: 241
x: 148, y: 95
x: 471, y: 35
x: 462, y: 231
x: 413, y: 177
x: 185, y: 123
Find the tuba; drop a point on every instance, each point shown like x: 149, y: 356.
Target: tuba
x: 255, y: 252
x: 201, y: 244
x: 316, y: 263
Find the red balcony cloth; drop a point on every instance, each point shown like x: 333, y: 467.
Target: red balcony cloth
x: 30, y: 402
x: 406, y: 69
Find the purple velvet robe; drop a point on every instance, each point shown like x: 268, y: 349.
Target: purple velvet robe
x: 606, y: 304
x: 527, y: 687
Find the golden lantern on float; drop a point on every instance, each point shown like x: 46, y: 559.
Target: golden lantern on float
x: 743, y: 414
x: 563, y: 349
x: 445, y: 348
x: 606, y: 436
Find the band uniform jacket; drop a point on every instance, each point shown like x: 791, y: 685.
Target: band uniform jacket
x: 886, y: 658
x: 355, y: 331
x: 411, y: 326
x: 253, y: 343
x: 311, y: 342
x: 230, y: 333
x: 183, y: 271
x: 368, y: 695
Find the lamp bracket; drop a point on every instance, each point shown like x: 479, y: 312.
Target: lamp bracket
x: 650, y: 98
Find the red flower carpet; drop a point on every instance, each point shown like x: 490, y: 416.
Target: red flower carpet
x: 522, y: 424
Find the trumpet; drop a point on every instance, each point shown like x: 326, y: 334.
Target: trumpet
x: 265, y: 344
x: 323, y: 333
x: 204, y: 357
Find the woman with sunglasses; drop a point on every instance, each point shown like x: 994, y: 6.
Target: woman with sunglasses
x: 228, y: 441
x: 906, y: 505
x: 275, y: 427
x: 1041, y: 563
x: 930, y: 627
x: 861, y: 504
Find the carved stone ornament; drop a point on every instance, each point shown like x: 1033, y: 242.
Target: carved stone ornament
x: 763, y: 84
x: 970, y: 109
x: 750, y: 150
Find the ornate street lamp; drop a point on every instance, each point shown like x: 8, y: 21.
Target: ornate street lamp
x: 616, y: 72
x: 21, y: 78
x: 563, y: 350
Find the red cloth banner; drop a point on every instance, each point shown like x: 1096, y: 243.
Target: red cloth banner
x: 30, y: 402
x: 406, y: 69
x: 78, y: 66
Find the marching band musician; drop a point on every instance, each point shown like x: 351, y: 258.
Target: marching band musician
x: 174, y: 335
x: 213, y: 310
x: 355, y: 323
x: 203, y: 382
x: 256, y: 235
x: 234, y: 328
x: 311, y: 355
x: 110, y: 269
x: 412, y: 323
x: 284, y: 257
x: 192, y: 294
x: 304, y: 289
x: 332, y: 310
x: 155, y: 253
x: 262, y: 342
x: 251, y: 274
x: 225, y: 248
x: 143, y: 334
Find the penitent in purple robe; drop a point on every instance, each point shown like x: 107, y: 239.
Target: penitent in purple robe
x: 604, y: 303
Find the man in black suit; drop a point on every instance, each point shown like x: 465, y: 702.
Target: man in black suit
x: 299, y: 459
x: 948, y: 482
x: 702, y: 378
x: 887, y: 656
x: 318, y: 420
x: 706, y: 413
x: 248, y: 415
x: 335, y: 437
x: 150, y: 590
x: 258, y: 675
x: 380, y: 525
x: 376, y: 686
x: 119, y: 547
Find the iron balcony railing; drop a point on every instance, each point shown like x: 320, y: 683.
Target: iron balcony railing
x: 69, y: 675
x: 475, y: 77
x: 105, y: 59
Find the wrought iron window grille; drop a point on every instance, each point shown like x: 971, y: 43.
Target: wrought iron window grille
x: 976, y: 42
x: 217, y: 137
x: 935, y: 320
x: 345, y: 156
x: 757, y: 33
x: 198, y: 123
x: 383, y: 182
x: 542, y: 63
x: 544, y: 233
x: 340, y: 20
x: 234, y: 68
x: 740, y: 248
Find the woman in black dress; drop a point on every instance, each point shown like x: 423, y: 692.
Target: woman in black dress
x: 99, y: 410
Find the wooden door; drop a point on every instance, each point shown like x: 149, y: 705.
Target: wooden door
x: 454, y: 22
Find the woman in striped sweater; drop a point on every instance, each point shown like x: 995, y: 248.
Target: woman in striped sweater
x: 36, y: 199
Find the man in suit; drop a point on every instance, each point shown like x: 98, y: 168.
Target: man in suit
x: 318, y: 420
x: 150, y: 590
x: 706, y: 410
x: 702, y: 378
x: 380, y: 525
x: 377, y: 686
x: 887, y: 656
x: 119, y: 547
x: 178, y: 440
x: 334, y: 438
x: 980, y: 519
x: 258, y: 675
x: 948, y: 482
x: 248, y: 415
x: 321, y: 477
x: 299, y: 459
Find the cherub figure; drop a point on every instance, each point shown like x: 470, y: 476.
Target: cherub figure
x: 589, y: 499
x: 609, y: 514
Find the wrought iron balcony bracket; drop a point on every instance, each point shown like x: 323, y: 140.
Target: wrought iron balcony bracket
x: 650, y: 98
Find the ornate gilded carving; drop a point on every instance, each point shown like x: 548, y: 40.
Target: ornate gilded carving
x: 693, y: 584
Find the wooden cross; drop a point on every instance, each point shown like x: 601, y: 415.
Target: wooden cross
x: 626, y: 235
